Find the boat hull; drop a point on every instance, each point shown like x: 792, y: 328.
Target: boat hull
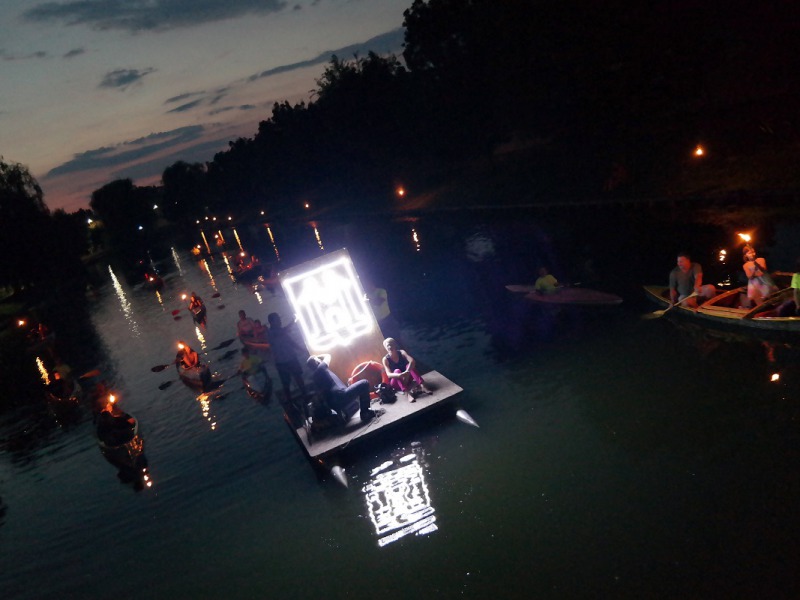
x: 725, y: 309
x: 197, y: 377
x: 574, y: 296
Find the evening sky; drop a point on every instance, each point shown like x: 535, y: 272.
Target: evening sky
x: 96, y: 90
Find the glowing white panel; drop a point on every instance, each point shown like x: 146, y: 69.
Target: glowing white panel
x: 329, y: 304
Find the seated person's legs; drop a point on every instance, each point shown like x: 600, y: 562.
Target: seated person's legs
x: 360, y: 390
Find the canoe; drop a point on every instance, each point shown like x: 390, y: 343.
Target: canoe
x: 247, y: 274
x: 725, y: 308
x: 575, y: 296
x: 121, y: 445
x: 195, y: 377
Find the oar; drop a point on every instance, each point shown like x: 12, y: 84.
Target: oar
x: 90, y: 374
x: 159, y: 368
x: 660, y: 313
x: 224, y: 344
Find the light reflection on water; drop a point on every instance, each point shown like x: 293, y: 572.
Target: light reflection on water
x: 124, y: 303
x: 398, y: 500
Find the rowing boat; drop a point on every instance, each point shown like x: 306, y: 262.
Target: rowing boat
x: 576, y: 296
x: 726, y: 308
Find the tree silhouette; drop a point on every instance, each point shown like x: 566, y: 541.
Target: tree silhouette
x: 23, y: 225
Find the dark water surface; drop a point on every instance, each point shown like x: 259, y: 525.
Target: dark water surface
x: 617, y: 456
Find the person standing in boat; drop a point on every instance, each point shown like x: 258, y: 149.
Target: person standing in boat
x: 284, y: 353
x: 334, y: 392
x: 245, y: 327
x: 759, y: 282
x: 687, y: 278
x: 401, y: 371
x: 546, y: 283
x: 198, y: 309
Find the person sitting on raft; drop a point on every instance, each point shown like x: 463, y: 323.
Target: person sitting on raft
x: 546, y: 284
x: 334, y: 392
x: 399, y: 366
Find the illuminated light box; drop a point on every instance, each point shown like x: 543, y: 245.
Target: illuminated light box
x: 332, y: 311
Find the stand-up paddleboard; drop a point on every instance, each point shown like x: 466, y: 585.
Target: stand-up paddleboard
x: 568, y: 295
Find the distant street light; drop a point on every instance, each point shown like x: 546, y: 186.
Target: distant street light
x: 699, y: 150
x: 401, y: 191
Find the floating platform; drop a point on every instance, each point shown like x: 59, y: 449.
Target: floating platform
x: 400, y: 411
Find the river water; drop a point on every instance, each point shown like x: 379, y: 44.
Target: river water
x: 617, y: 456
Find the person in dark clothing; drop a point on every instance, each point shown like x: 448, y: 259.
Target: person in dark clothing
x: 334, y: 392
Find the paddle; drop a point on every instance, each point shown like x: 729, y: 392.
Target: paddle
x: 159, y: 368
x: 90, y: 374
x: 660, y: 313
x: 224, y: 344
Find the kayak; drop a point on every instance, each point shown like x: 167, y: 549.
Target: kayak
x: 576, y: 296
x: 121, y: 445
x: 198, y: 376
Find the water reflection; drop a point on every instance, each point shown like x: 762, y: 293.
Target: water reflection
x: 177, y: 261
x: 127, y: 310
x: 317, y: 236
x: 204, y: 400
x: 398, y: 500
x: 205, y: 241
x: 272, y: 241
x: 415, y: 239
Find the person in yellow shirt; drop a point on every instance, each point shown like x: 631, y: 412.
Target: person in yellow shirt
x: 546, y: 284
